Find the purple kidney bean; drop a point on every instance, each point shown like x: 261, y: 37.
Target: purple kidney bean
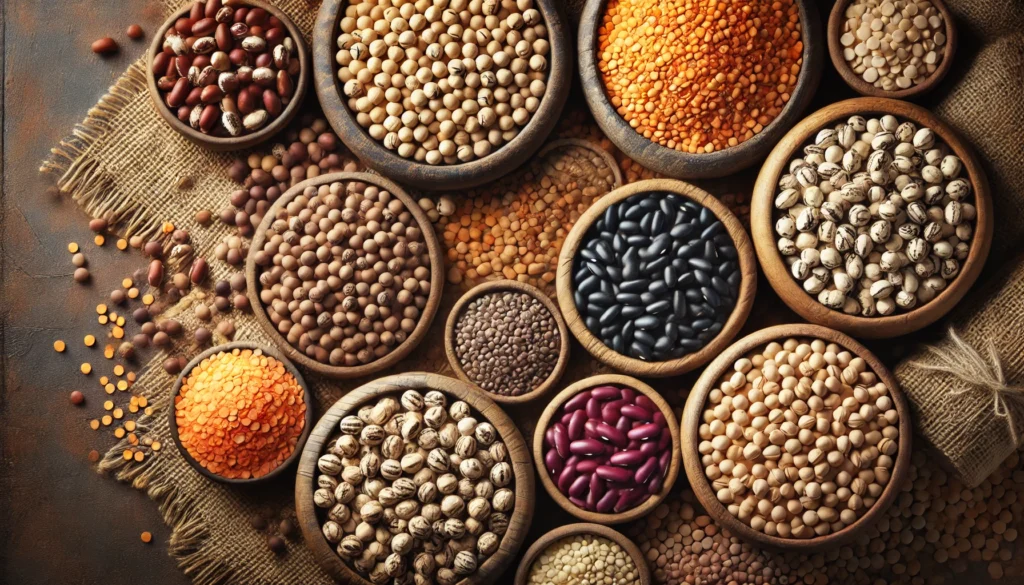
x: 577, y: 402
x: 590, y: 429
x: 579, y: 485
x: 655, y: 485
x: 561, y: 437
x: 587, y: 447
x: 629, y: 395
x: 648, y: 469
x: 607, y: 501
x: 636, y: 413
x: 596, y: 486
x: 566, y: 478
x: 616, y: 474
x: 627, y: 458
x: 664, y: 460
x: 576, y: 425
x: 554, y: 463
x: 624, y: 424
x: 591, y: 502
x: 578, y: 502
x: 549, y: 437
x: 666, y: 439
x: 626, y: 500
x: 646, y: 403
x: 644, y: 432
x: 565, y: 418
x: 604, y: 393
x: 658, y: 418
x: 649, y: 448
x: 593, y: 408
x: 611, y: 434
x: 587, y: 465
x: 610, y: 411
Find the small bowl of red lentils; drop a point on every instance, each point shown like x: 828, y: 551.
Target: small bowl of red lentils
x: 698, y: 92
x: 241, y: 413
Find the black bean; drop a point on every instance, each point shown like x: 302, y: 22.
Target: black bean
x: 726, y: 268
x: 658, y: 245
x: 734, y: 279
x: 690, y: 345
x: 646, y: 224
x: 610, y: 314
x: 712, y: 230
x: 706, y: 216
x: 610, y: 331
x: 629, y: 227
x: 611, y: 219
x: 596, y: 269
x: 663, y: 344
x: 619, y: 243
x: 721, y: 286
x: 656, y: 265
x: 627, y: 298
x: 702, y: 278
x: 679, y: 302
x: 670, y: 275
x: 592, y: 323
x: 723, y: 240
x: 634, y: 213
x: 618, y: 344
x: 582, y: 272
x: 638, y: 240
x: 685, y: 332
x: 588, y: 254
x: 710, y: 252
x: 687, y: 251
x: 647, y: 298
x: 702, y: 324
x: 668, y: 208
x: 640, y: 350
x: 659, y: 307
x: 631, y: 264
x: 682, y: 230
x: 614, y: 273
x: 647, y: 322
x: 638, y: 285
x: 580, y: 298
x: 595, y: 310
x: 711, y: 296
x: 658, y: 287
x: 644, y: 337
x: 601, y: 298
x: 715, y: 329
x: 588, y: 285
x: 627, y: 332
x: 728, y: 252
x: 632, y: 311
x: 697, y: 263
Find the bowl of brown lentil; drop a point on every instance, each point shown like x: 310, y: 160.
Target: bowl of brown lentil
x: 508, y: 339
x: 705, y: 120
x: 358, y: 277
x: 848, y: 454
x: 590, y: 552
x: 447, y: 126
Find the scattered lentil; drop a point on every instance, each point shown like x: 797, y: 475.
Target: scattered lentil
x: 146, y: 537
x: 59, y: 346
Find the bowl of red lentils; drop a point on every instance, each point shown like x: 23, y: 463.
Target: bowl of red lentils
x: 240, y: 413
x: 698, y: 92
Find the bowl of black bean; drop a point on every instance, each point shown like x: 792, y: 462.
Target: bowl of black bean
x: 656, y: 278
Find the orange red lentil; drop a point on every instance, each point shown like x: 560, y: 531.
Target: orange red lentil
x: 240, y: 414
x: 699, y: 76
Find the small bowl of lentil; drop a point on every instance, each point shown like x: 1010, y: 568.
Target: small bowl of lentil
x: 607, y: 449
x: 508, y: 339
x: 689, y: 115
x: 897, y: 49
x: 583, y: 553
x: 345, y: 273
x: 872, y: 216
x: 796, y: 437
x: 656, y: 278
x: 442, y: 95
x: 255, y: 431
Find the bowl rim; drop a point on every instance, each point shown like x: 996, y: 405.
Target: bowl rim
x: 762, y: 220
x: 688, y: 362
x: 560, y: 532
x: 548, y: 415
x: 326, y: 427
x: 507, y: 158
x: 426, y: 317
x: 307, y: 397
x: 217, y: 143
x: 691, y: 421
x: 681, y: 165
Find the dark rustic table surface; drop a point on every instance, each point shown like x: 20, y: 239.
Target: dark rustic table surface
x: 60, y: 521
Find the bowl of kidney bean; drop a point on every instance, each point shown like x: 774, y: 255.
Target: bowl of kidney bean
x: 607, y: 449
x: 228, y: 75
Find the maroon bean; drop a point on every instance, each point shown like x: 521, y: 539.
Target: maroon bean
x: 553, y: 462
x: 646, y: 403
x: 617, y: 474
x: 627, y: 458
x: 611, y: 434
x: 565, y: 419
x: 664, y: 461
x: 629, y: 395
x: 566, y: 478
x: 587, y: 465
x: 635, y: 412
x: 160, y: 63
x: 644, y: 432
x: 594, y: 408
x: 607, y: 502
x: 634, y: 444
x: 655, y: 485
x: 604, y: 393
x: 591, y: 501
x: 590, y: 429
x: 649, y: 448
x: 610, y: 410
x: 597, y: 487
x: 629, y: 498
x: 577, y: 402
x: 579, y: 485
x: 586, y: 447
x: 285, y: 86
x: 178, y: 94
x: 624, y: 424
x: 549, y: 437
x: 658, y: 418
x: 578, y: 502
x: 665, y: 440
x: 649, y: 468
x: 561, y: 437
x: 576, y: 423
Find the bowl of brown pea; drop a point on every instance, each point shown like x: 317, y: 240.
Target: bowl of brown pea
x: 415, y: 476
x: 345, y: 273
x: 796, y: 437
x: 442, y: 96
x: 228, y: 75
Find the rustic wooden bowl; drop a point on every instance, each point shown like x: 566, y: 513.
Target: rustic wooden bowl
x: 498, y: 286
x: 836, y: 20
x: 633, y: 366
x: 426, y: 317
x: 217, y: 143
x: 589, y: 145
x: 522, y: 467
x: 549, y: 414
x: 681, y: 165
x: 693, y: 416
x: 762, y: 223
x: 549, y: 538
x: 228, y: 347
x: 439, y: 177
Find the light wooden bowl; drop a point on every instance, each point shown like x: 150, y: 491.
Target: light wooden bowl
x: 548, y: 416
x: 217, y: 143
x: 500, y: 286
x: 836, y: 20
x: 426, y: 316
x: 305, y: 483
x: 307, y: 397
x: 681, y: 165
x: 440, y: 177
x: 763, y: 214
x: 633, y: 366
x: 589, y: 145
x: 693, y: 416
x: 538, y: 548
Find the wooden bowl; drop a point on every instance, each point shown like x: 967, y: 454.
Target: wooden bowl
x: 682, y: 165
x: 439, y: 177
x: 217, y: 143
x: 499, y: 286
x: 307, y: 397
x: 305, y: 482
x: 693, y: 416
x: 633, y: 366
x: 762, y: 223
x: 548, y: 415
x: 538, y: 548
x: 426, y: 317
x: 589, y: 145
x: 836, y: 20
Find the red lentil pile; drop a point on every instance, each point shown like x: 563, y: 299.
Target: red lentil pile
x: 700, y: 76
x: 240, y: 414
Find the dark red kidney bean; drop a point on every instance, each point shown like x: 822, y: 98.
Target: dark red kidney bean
x: 576, y: 423
x: 607, y: 502
x: 658, y: 418
x: 208, y: 119
x: 272, y: 103
x: 649, y: 448
x: 182, y: 64
x: 635, y: 412
x: 566, y: 478
x: 198, y: 11
x: 176, y: 97
x: 624, y: 424
x: 622, y: 503
x: 553, y: 463
x: 664, y: 460
x: 646, y: 403
x: 256, y: 17
x: 655, y: 485
x: 195, y: 97
x: 201, y: 61
x: 211, y: 94
x: 604, y: 393
x: 591, y: 501
x: 204, y: 27
x: 594, y: 408
x: 241, y: 13
x: 578, y: 502
x: 577, y: 402
x: 634, y: 444
x: 572, y: 461
x: 565, y: 419
x: 160, y: 62
x: 275, y: 35
x: 549, y: 437
x: 610, y: 411
x: 264, y: 60
x: 590, y: 429
x: 579, y: 485
x: 627, y: 458
x: 665, y: 440
x: 223, y: 37
x: 586, y: 447
x: 612, y: 434
x: 587, y: 466
x: 646, y: 471
x: 561, y: 438
x: 597, y: 487
x: 616, y: 474
x: 644, y: 432
x: 629, y: 395
x: 183, y: 25
x: 183, y: 113
x: 285, y: 86
x: 246, y: 103
x: 212, y: 7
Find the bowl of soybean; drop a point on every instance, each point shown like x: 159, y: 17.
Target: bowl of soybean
x: 489, y: 359
x: 656, y: 278
x: 549, y: 542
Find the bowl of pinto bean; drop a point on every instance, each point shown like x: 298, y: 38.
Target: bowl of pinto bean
x: 228, y: 75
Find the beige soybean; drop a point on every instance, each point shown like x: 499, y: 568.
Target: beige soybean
x: 584, y: 559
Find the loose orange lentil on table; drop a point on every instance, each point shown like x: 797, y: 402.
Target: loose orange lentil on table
x: 90, y: 340
x: 101, y: 309
x: 73, y: 248
x: 102, y: 319
x: 146, y: 537
x: 99, y: 239
x: 699, y: 76
x: 59, y: 346
x: 127, y: 283
x: 108, y: 352
x: 122, y: 244
x: 240, y: 414
x: 86, y: 368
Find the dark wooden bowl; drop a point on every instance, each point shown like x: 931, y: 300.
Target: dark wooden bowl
x: 307, y: 397
x: 549, y: 414
x: 519, y: 454
x: 693, y: 416
x: 763, y: 214
x: 836, y: 20
x: 633, y: 366
x: 589, y: 145
x: 498, y: 286
x: 549, y: 538
x: 426, y: 317
x: 681, y: 165
x: 440, y: 177
x: 217, y: 143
